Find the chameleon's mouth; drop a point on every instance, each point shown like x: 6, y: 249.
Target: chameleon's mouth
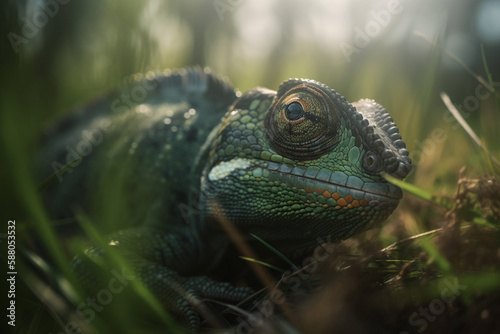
x: 339, y: 189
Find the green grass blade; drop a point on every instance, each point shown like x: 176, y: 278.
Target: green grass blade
x: 419, y: 192
x: 119, y: 260
x: 481, y: 282
x: 484, y: 222
x: 489, y: 77
x: 486, y: 69
x: 26, y: 188
x: 275, y: 251
x: 57, y: 175
x: 477, y: 216
x: 431, y: 249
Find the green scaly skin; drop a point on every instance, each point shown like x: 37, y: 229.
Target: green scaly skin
x: 292, y: 167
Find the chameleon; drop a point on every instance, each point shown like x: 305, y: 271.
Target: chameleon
x: 168, y: 155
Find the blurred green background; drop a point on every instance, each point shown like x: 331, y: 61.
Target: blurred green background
x: 58, y: 54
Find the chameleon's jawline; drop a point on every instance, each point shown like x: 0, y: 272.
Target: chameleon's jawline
x: 392, y: 192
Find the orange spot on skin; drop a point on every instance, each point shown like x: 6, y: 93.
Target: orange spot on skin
x: 341, y: 202
x: 363, y: 202
x: 257, y: 178
x: 355, y: 203
x: 349, y: 198
x: 337, y: 207
x: 335, y: 196
x: 309, y: 190
x: 327, y: 194
x: 349, y: 206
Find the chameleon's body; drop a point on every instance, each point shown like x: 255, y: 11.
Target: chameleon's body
x: 288, y: 166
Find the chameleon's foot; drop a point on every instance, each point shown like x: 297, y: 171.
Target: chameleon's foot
x: 190, y: 303
x: 183, y: 296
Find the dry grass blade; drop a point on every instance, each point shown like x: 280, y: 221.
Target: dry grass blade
x: 467, y: 128
x: 396, y: 244
x: 54, y: 303
x: 480, y: 79
x: 263, y: 263
x: 245, y: 250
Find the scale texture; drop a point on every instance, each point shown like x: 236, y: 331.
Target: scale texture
x: 162, y: 160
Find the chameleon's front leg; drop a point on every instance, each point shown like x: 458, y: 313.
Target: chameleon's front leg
x: 162, y: 261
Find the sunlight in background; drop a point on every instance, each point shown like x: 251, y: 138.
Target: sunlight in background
x: 320, y: 23
x: 251, y: 33
x: 488, y: 21
x: 76, y: 53
x: 255, y: 32
x: 462, y: 45
x: 172, y: 35
x: 257, y: 28
x: 362, y: 48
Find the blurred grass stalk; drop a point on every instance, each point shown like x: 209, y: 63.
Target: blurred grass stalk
x: 104, y: 42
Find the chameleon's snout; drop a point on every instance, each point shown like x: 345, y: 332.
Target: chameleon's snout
x: 402, y: 170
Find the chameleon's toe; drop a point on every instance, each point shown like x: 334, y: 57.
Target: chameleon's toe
x: 191, y: 315
x: 208, y: 288
x: 190, y: 304
x: 184, y: 295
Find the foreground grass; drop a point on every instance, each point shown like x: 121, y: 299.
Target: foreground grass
x: 434, y: 267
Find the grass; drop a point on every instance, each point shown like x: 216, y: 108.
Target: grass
x: 444, y: 235
x: 416, y: 270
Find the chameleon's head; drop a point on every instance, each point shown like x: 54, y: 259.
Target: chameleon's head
x: 303, y: 163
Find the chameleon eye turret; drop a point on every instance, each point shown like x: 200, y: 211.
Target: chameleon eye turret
x: 302, y: 122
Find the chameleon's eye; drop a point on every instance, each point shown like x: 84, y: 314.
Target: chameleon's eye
x: 294, y: 111
x: 302, y: 123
